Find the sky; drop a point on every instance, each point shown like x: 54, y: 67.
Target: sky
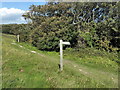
x: 11, y: 12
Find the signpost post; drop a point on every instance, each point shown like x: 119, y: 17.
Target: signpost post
x: 18, y: 38
x: 61, y: 53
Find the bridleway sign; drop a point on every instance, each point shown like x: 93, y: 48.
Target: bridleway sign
x: 61, y: 53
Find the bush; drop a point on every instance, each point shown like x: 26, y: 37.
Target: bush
x: 47, y: 36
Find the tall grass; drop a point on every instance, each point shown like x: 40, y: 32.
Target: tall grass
x: 24, y: 69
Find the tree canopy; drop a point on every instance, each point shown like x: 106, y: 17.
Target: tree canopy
x: 84, y: 24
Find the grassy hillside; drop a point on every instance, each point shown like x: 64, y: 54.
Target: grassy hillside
x: 26, y: 67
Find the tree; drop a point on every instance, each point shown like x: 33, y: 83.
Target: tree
x: 89, y: 24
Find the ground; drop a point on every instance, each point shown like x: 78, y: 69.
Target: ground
x: 23, y: 66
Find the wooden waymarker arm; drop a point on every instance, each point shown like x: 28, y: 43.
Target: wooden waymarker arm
x: 66, y: 43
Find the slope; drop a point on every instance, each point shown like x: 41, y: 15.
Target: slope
x: 26, y: 67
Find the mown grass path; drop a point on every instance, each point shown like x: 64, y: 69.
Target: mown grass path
x: 27, y: 67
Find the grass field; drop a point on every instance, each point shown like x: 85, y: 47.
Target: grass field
x: 23, y: 66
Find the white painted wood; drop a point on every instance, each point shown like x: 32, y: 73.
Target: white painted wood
x: 66, y: 43
x: 18, y: 38
x: 61, y: 53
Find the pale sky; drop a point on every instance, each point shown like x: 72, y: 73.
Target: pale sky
x: 11, y: 12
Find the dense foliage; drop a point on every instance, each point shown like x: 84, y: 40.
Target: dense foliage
x: 83, y: 24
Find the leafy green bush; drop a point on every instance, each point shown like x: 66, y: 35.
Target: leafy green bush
x: 47, y: 36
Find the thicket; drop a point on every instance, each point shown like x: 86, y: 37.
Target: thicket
x: 83, y: 24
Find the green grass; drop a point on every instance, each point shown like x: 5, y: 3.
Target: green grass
x: 93, y: 58
x: 86, y: 68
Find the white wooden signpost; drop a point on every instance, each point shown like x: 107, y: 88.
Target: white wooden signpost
x: 18, y: 38
x: 61, y: 53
